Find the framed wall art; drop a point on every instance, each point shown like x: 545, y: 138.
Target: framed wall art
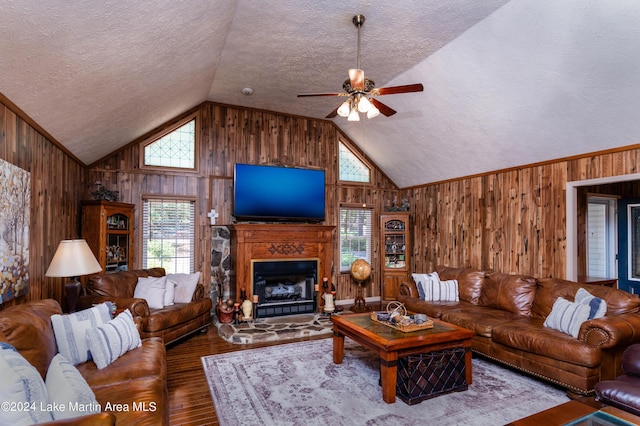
x: 15, y: 196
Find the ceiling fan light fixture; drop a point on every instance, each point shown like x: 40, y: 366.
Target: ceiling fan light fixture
x: 373, y: 112
x: 354, y: 115
x: 364, y: 105
x: 344, y: 109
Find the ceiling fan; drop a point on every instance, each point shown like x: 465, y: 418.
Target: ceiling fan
x: 361, y: 91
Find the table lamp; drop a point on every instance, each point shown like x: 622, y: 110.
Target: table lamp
x: 73, y: 258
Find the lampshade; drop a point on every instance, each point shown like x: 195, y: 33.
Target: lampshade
x: 343, y: 110
x: 364, y: 105
x: 73, y: 258
x: 354, y: 115
x: 373, y: 112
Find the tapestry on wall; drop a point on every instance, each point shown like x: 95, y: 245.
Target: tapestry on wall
x: 15, y: 195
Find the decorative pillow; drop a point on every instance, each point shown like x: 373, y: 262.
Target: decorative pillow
x: 597, y: 305
x: 435, y: 290
x: 110, y: 341
x: 170, y: 292
x: 152, y: 290
x: 567, y: 317
x: 71, y: 331
x: 422, y: 280
x: 22, y: 390
x: 67, y: 388
x: 185, y: 286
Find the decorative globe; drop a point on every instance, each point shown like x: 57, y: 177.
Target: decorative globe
x: 360, y: 270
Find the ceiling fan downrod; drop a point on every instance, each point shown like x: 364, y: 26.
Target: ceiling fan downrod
x: 358, y: 21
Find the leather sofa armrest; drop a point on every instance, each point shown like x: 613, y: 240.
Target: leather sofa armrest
x: 137, y: 306
x: 611, y: 331
x: 97, y: 419
x: 623, y: 395
x: 408, y: 289
x: 198, y: 293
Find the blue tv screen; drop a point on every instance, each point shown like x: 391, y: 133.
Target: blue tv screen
x: 274, y: 193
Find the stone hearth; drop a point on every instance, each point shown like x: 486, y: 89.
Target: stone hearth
x: 275, y: 328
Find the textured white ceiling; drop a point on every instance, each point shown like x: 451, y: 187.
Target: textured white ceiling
x: 507, y: 83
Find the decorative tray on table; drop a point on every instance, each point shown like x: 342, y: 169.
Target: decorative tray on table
x: 396, y: 317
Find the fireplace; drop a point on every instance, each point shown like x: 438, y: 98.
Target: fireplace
x: 284, y: 287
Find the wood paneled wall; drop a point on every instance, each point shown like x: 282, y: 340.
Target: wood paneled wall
x: 513, y: 220
x: 57, y: 183
x: 229, y: 135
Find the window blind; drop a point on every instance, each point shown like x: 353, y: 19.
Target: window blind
x: 355, y: 236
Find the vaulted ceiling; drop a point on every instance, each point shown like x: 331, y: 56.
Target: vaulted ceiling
x: 506, y: 83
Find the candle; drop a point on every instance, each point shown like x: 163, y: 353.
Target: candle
x: 316, y: 288
x: 255, y: 298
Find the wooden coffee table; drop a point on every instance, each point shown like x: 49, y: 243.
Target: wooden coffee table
x: 391, y: 344
x: 572, y: 411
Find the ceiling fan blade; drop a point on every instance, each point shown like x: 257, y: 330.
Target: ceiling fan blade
x: 357, y: 79
x: 333, y: 113
x: 306, y: 95
x: 383, y: 108
x: 398, y: 89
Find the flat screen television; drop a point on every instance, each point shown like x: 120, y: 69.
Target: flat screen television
x: 278, y: 194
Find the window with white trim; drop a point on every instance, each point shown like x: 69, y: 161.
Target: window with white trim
x: 168, y: 235
x: 175, y: 149
x: 355, y: 236
x: 351, y: 167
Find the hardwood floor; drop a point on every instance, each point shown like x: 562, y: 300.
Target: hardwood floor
x: 189, y: 398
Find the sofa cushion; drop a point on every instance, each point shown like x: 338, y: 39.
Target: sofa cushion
x: 152, y: 289
x: 470, y: 281
x: 567, y: 317
x: 23, y: 386
x: 530, y: 336
x: 71, y: 331
x: 171, y: 316
x: 109, y: 341
x: 597, y: 306
x: 146, y: 361
x: 478, y: 318
x: 512, y: 293
x: 121, y: 284
x: 27, y: 327
x: 431, y: 309
x: 67, y: 388
x: 549, y: 289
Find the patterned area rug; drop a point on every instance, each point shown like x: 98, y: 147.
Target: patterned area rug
x: 276, y: 328
x: 298, y: 384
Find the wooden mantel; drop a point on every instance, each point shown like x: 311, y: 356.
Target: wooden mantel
x: 278, y: 241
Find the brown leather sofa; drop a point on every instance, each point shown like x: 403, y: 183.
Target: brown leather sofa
x: 139, y: 376
x: 624, y: 391
x: 170, y: 323
x: 507, y: 313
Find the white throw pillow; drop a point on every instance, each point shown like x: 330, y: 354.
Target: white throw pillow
x: 71, y: 331
x: 597, y: 306
x: 435, y: 290
x: 67, y: 388
x: 22, y: 390
x: 170, y: 292
x: 567, y: 317
x: 110, y: 341
x: 151, y: 289
x: 185, y: 286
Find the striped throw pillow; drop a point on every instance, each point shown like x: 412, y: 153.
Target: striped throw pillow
x: 435, y: 290
x: 71, y: 331
x: 597, y: 306
x: 110, y: 341
x: 423, y: 280
x: 567, y: 317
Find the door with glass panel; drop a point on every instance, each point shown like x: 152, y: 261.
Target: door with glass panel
x: 629, y: 245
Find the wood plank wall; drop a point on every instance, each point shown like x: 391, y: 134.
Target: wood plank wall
x: 514, y: 220
x: 229, y: 135
x: 58, y: 182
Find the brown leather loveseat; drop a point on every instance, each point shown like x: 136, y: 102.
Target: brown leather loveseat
x: 136, y: 379
x: 170, y: 322
x: 507, y: 313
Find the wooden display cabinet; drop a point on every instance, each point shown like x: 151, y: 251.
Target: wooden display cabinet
x: 395, y: 247
x: 108, y: 229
